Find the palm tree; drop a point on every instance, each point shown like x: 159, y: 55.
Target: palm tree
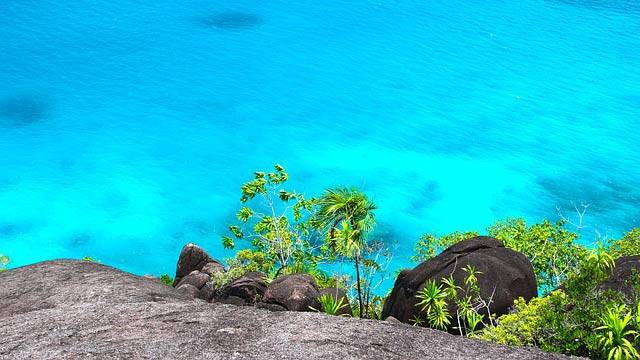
x: 347, y: 213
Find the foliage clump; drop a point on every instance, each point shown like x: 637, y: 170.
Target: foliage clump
x: 471, y: 311
x: 331, y: 305
x: 576, y: 315
x: 166, y: 279
x: 579, y: 318
x: 4, y: 261
x: 628, y: 245
x: 288, y: 233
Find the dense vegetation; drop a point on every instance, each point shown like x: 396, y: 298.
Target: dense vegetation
x: 575, y: 315
x: 290, y: 233
x: 285, y: 232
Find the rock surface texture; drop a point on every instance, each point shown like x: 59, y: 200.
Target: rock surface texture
x: 620, y: 279
x: 80, y: 310
x: 297, y: 292
x: 245, y: 290
x: 506, y: 275
x: 192, y: 258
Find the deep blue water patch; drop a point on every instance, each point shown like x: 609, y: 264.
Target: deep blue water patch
x: 231, y: 20
x: 23, y: 110
x: 80, y: 240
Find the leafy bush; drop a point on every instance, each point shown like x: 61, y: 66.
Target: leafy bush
x: 628, y: 245
x: 4, y: 261
x: 430, y: 245
x: 166, y: 279
x: 552, y: 249
x: 574, y: 319
x: 617, y: 335
x: 277, y: 228
x: 288, y: 233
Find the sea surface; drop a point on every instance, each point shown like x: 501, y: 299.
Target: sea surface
x: 127, y: 127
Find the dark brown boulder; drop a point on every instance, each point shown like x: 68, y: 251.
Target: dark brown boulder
x: 625, y: 273
x: 192, y: 257
x: 338, y: 293
x: 246, y: 290
x: 297, y: 292
x: 506, y: 276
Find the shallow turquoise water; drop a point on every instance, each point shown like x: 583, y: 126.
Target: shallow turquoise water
x: 126, y: 127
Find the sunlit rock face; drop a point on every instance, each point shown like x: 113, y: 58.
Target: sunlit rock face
x: 78, y: 309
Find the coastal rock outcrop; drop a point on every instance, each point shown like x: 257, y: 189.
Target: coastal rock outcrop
x: 195, y: 278
x: 246, y: 290
x: 625, y: 269
x: 298, y: 292
x: 505, y: 276
x: 192, y: 257
x: 188, y: 290
x: 70, y: 309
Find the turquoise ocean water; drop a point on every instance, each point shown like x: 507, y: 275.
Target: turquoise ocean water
x: 126, y: 127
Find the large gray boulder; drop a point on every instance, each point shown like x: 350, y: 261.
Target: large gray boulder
x: 506, y: 276
x: 70, y: 309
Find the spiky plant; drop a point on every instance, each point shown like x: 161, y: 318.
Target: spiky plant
x: 616, y: 334
x: 432, y: 302
x: 331, y: 305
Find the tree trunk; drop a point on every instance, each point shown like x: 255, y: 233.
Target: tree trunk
x: 357, y: 258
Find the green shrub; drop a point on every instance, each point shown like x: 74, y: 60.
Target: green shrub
x: 552, y: 249
x: 617, y: 334
x: 528, y: 322
x: 4, y: 261
x: 628, y: 245
x: 571, y: 320
x: 277, y: 227
x: 430, y: 245
x: 166, y: 279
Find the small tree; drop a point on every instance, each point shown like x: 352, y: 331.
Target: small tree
x: 347, y: 215
x: 276, y: 227
x: 376, y: 258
